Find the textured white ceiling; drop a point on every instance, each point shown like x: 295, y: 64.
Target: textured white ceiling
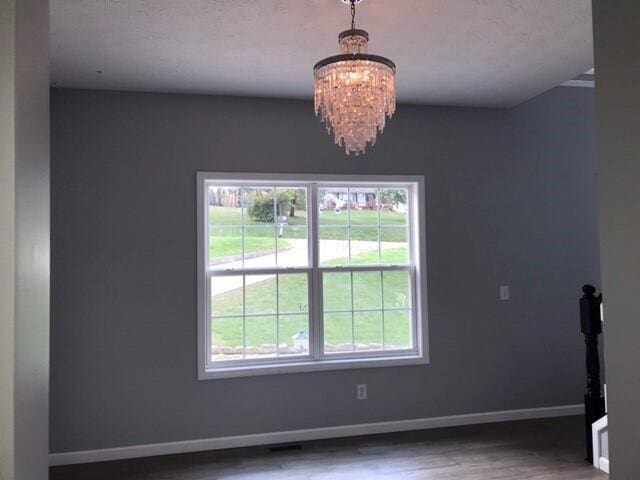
x: 451, y: 52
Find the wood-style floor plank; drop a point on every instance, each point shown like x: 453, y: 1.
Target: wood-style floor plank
x: 548, y: 449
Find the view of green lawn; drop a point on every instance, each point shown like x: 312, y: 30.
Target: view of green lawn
x: 390, y: 256
x: 261, y: 298
x: 362, y: 218
x: 226, y: 231
x: 229, y: 246
x: 281, y: 318
x: 232, y: 217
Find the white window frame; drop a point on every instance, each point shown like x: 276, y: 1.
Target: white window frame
x: 316, y: 361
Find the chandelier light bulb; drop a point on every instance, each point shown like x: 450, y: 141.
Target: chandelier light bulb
x: 355, y: 91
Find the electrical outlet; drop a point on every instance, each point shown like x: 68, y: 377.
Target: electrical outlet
x: 362, y: 391
x: 504, y: 292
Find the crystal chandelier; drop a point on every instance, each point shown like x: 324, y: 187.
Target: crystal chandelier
x: 354, y: 91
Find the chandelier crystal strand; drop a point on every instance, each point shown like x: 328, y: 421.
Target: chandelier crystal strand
x: 354, y: 92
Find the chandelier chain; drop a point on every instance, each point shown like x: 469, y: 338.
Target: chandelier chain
x: 353, y: 14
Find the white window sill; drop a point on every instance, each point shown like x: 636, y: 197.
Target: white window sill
x: 310, y: 366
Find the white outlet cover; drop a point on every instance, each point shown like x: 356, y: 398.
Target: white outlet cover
x: 504, y: 292
x: 362, y: 391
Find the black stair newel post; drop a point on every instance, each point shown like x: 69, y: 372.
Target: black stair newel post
x: 591, y: 326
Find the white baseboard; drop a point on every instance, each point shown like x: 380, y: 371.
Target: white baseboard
x: 149, y: 450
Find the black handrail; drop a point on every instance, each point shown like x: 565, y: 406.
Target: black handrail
x: 591, y: 326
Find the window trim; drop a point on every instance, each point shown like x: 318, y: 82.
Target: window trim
x: 316, y: 361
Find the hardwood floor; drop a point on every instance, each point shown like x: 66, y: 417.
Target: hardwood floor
x: 549, y: 449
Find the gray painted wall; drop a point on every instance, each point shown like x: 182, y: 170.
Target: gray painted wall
x: 24, y: 239
x: 510, y: 199
x: 617, y: 58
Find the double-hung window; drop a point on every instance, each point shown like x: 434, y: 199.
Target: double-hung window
x: 309, y: 272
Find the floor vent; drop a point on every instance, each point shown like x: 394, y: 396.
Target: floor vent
x: 285, y: 448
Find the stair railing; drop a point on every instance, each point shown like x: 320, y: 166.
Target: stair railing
x: 591, y: 326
